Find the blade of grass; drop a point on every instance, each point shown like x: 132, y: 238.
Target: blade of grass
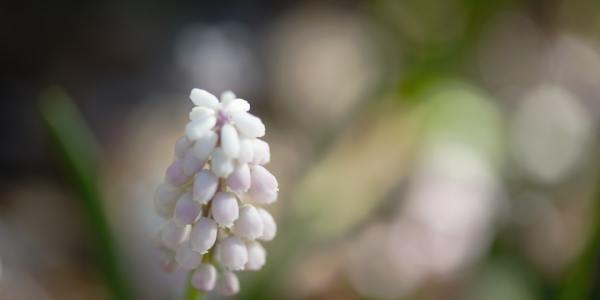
x: 80, y: 153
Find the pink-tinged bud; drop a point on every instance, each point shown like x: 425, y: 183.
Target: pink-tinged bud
x: 225, y: 208
x: 181, y: 147
x: 249, y: 224
x: 205, y: 145
x: 167, y: 262
x: 187, y: 258
x: 239, y: 180
x: 257, y: 256
x: 165, y: 198
x: 246, y: 150
x: 175, y: 175
x: 232, y: 253
x: 205, y: 277
x: 228, y: 284
x: 187, y: 211
x: 230, y: 141
x: 191, y: 164
x: 263, y: 185
x: 173, y: 235
x: 222, y: 165
x: 203, y: 235
x: 261, y: 152
x: 205, y: 186
x: 269, y: 225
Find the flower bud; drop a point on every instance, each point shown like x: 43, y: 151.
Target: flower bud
x: 263, y: 185
x: 249, y: 224
x: 205, y: 145
x: 257, y: 256
x: 181, y: 147
x: 191, y: 164
x: 232, y: 253
x: 187, y: 211
x: 269, y: 225
x: 248, y: 125
x: 165, y: 198
x: 246, y: 150
x: 222, y: 165
x: 167, y: 262
x: 172, y: 235
x: 203, y: 235
x: 230, y: 141
x: 175, y: 175
x: 205, y: 186
x: 204, y: 277
x: 261, y: 152
x: 197, y: 128
x: 187, y: 258
x: 239, y: 180
x: 225, y: 208
x: 228, y: 284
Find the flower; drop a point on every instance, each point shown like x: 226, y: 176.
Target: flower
x: 219, y: 160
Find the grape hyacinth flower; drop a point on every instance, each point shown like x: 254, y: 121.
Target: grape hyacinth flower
x: 210, y: 195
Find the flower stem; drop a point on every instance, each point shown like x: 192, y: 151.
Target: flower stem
x: 192, y: 293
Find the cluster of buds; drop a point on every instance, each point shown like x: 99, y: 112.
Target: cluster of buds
x: 210, y: 194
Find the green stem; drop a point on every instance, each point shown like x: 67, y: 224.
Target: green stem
x: 192, y: 293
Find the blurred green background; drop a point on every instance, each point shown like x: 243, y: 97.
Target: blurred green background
x: 425, y: 149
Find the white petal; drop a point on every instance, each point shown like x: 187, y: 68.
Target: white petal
x: 205, y: 186
x: 187, y: 258
x: 249, y: 224
x: 225, y: 209
x: 173, y: 235
x: 261, y: 152
x: 197, y: 128
x: 248, y: 125
x: 227, y: 97
x: 237, y: 105
x: 165, y: 198
x: 246, y: 150
x: 230, y: 141
x: 228, y: 284
x: 269, y: 225
x: 205, y: 145
x: 221, y: 164
x: 232, y: 253
x: 257, y: 256
x: 200, y: 112
x: 203, y: 98
x: 203, y: 235
x: 239, y: 180
x: 181, y: 147
x: 204, y: 277
x: 187, y: 211
x: 191, y: 163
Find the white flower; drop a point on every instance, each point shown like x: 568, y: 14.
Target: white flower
x: 187, y: 211
x: 230, y: 115
x: 205, y: 186
x: 187, y: 258
x: 257, y: 256
x: 232, y: 253
x: 269, y: 225
x: 249, y: 224
x: 225, y: 209
x: 205, y: 277
x: 228, y: 284
x: 203, y: 235
x: 217, y: 162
